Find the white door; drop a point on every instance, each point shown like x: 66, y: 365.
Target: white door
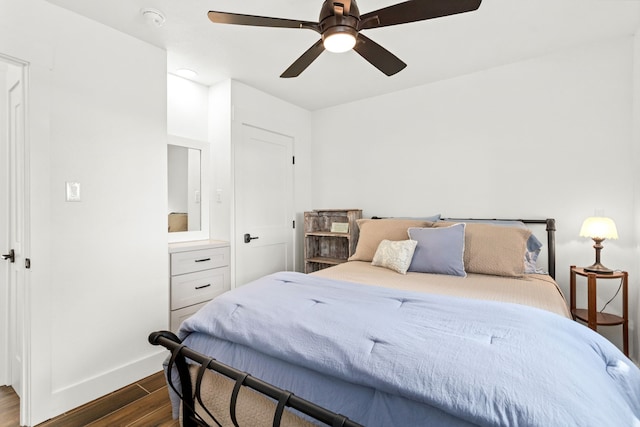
x: 16, y: 215
x: 263, y: 181
x: 5, y: 377
x: 12, y: 247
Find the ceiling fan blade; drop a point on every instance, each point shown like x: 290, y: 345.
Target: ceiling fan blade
x: 304, y: 61
x: 415, y: 10
x: 259, y: 21
x: 378, y: 56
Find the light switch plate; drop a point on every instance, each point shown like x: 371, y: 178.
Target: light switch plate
x: 73, y: 191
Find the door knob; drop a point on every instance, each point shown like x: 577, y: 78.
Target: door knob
x: 11, y: 256
x: 248, y: 238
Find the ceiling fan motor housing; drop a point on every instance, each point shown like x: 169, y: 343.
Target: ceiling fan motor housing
x: 336, y: 21
x: 329, y: 7
x: 332, y: 21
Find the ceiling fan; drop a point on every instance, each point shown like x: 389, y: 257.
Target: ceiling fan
x: 340, y: 24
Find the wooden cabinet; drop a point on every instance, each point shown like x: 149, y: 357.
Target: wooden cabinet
x: 199, y: 272
x: 591, y: 315
x: 330, y: 237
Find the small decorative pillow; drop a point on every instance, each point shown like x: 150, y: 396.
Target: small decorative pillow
x: 439, y: 250
x: 394, y: 255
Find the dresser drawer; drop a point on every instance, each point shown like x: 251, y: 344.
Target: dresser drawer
x: 180, y: 315
x: 203, y: 259
x: 193, y: 288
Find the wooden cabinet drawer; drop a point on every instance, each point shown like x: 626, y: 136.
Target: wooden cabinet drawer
x: 193, y: 288
x: 203, y: 259
x: 179, y: 316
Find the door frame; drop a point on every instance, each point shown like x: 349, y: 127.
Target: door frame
x: 5, y: 369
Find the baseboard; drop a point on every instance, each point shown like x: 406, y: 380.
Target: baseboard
x: 75, y: 395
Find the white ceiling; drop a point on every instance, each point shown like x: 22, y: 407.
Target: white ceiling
x: 499, y: 32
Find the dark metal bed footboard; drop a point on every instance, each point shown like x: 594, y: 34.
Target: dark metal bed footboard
x: 191, y: 393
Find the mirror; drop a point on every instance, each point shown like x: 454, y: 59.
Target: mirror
x: 188, y: 209
x: 183, y: 165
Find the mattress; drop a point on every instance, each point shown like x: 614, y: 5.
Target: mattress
x: 535, y: 290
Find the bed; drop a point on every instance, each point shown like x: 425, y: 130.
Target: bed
x: 461, y: 324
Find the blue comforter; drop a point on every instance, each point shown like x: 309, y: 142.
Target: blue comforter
x: 469, y: 362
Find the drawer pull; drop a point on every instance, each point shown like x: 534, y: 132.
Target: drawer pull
x: 203, y: 260
x: 203, y: 286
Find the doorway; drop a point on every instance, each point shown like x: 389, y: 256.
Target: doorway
x: 13, y: 226
x: 263, y: 181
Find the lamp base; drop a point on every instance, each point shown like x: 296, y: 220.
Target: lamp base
x: 598, y: 268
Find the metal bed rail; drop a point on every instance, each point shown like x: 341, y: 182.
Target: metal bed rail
x: 189, y: 395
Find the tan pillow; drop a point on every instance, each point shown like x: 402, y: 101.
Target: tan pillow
x: 373, y: 231
x: 178, y: 222
x: 492, y: 249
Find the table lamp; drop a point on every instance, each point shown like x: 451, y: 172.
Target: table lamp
x: 599, y: 229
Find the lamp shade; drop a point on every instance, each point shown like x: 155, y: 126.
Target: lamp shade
x: 599, y: 227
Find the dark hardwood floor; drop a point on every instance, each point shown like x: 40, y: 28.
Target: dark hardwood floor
x: 9, y: 407
x: 145, y: 403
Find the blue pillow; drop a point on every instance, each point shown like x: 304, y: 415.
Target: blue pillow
x: 439, y: 250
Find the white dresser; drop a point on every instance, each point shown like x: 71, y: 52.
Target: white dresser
x: 199, y: 271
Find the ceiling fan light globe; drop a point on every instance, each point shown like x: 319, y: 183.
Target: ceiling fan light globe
x: 339, y: 42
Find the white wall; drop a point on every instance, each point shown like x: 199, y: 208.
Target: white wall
x: 98, y: 283
x: 546, y: 137
x: 635, y: 158
x: 187, y: 108
x: 220, y: 138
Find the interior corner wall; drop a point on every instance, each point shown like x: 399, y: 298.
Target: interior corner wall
x: 187, y: 108
x: 635, y: 156
x: 545, y: 137
x: 219, y: 121
x: 99, y: 278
